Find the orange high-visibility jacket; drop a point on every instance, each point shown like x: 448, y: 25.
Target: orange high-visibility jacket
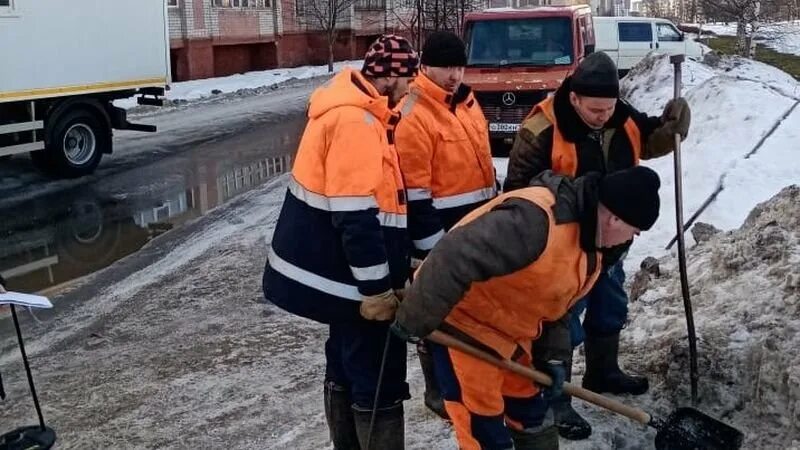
x: 342, y: 232
x: 445, y: 157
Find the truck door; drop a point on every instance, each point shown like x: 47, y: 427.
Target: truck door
x: 669, y: 39
x: 636, y: 40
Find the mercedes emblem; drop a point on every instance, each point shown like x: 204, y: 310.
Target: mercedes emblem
x: 509, y: 98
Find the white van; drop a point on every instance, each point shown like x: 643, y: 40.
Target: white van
x: 629, y: 39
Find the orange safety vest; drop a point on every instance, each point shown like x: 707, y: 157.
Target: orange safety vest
x: 507, y: 312
x: 564, y: 155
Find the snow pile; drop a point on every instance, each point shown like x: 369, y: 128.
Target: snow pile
x: 199, y: 89
x: 734, y: 105
x: 782, y: 37
x: 745, y: 288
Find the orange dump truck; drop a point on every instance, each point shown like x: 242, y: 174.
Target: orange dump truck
x: 516, y: 57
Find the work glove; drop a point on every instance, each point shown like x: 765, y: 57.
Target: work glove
x: 379, y: 307
x: 401, y: 332
x: 558, y: 373
x: 676, y: 117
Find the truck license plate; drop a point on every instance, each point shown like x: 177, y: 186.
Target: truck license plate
x: 504, y: 127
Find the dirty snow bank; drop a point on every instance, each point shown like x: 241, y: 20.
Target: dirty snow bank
x: 745, y: 287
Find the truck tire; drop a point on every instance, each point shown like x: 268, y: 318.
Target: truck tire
x: 75, y: 144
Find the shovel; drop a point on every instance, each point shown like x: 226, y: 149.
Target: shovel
x: 684, y: 429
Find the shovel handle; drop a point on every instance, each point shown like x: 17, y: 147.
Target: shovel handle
x: 541, y: 378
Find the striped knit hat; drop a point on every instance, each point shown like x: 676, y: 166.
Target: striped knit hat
x: 390, y: 56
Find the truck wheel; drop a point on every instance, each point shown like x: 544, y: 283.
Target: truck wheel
x: 76, y: 143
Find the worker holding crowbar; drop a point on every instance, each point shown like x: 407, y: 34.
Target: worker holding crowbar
x: 585, y: 127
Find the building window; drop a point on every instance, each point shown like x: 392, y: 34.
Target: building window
x: 242, y: 4
x: 370, y: 5
x: 172, y: 3
x: 301, y: 7
x: 6, y: 5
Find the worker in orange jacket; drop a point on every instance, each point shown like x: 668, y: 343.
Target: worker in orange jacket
x: 445, y: 158
x: 511, y: 265
x: 340, y: 247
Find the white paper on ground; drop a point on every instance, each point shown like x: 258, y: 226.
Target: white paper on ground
x: 18, y: 298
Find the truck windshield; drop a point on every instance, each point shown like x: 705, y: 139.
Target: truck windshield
x: 545, y: 41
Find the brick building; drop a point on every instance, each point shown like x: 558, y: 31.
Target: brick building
x: 222, y: 37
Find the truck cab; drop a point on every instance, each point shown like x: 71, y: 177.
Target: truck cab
x: 517, y: 57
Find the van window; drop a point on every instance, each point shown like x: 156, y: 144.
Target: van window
x: 635, y: 32
x: 668, y: 33
x: 544, y: 41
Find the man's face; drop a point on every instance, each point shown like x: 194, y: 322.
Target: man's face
x: 395, y: 88
x: 616, y: 231
x: 447, y: 78
x: 399, y: 89
x: 595, y: 111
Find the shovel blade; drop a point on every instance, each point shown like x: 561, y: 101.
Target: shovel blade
x: 690, y: 429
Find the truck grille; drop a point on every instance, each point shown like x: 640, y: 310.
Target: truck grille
x: 497, y: 112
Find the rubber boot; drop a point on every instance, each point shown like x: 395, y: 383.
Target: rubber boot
x: 544, y: 439
x: 339, y: 414
x: 433, y: 396
x: 388, y: 432
x: 569, y: 423
x: 602, y: 368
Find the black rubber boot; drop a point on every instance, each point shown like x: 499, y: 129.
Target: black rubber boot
x: 433, y: 397
x: 545, y: 439
x: 339, y: 414
x: 602, y: 368
x: 388, y: 432
x: 570, y: 424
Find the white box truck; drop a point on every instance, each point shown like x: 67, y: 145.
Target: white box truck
x: 63, y: 63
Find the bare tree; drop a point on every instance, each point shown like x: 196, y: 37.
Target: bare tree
x: 745, y: 13
x: 418, y: 18
x: 325, y: 16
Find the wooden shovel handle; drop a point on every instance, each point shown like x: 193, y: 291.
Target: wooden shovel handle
x: 541, y: 378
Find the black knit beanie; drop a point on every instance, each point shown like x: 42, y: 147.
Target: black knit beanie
x: 596, y: 76
x: 444, y: 49
x: 632, y: 195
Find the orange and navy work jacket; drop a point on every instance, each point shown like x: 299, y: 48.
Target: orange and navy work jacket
x: 445, y: 157
x: 565, y: 155
x: 341, y: 233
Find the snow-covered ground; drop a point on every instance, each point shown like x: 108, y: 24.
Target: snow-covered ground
x: 733, y: 107
x: 171, y: 347
x: 783, y: 37
x: 199, y: 89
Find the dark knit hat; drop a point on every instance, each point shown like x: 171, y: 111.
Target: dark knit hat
x: 632, y: 195
x: 596, y: 76
x: 444, y: 49
x: 390, y: 56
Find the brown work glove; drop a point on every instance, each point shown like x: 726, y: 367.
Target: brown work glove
x: 676, y: 117
x: 379, y: 307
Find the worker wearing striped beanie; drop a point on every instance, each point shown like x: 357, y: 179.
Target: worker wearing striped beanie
x: 390, y: 64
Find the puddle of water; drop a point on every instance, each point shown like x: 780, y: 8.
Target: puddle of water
x: 49, y: 241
